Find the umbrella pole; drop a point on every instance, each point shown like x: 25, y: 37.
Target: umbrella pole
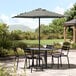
x: 39, y: 41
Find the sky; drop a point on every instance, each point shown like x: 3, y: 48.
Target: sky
x: 10, y: 8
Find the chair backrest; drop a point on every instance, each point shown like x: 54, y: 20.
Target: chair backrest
x: 65, y: 50
x: 51, y: 47
x: 27, y: 51
x: 66, y: 47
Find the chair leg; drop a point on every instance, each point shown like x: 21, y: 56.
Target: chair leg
x: 52, y: 62
x: 17, y: 62
x: 42, y: 64
x: 31, y: 69
x: 29, y: 63
x: 15, y: 58
x: 36, y: 64
x: 25, y: 64
x: 68, y: 61
x: 60, y: 61
x: 33, y: 65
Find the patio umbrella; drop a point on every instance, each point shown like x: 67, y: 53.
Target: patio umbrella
x: 39, y: 13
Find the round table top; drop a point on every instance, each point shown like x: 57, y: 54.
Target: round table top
x: 38, y: 48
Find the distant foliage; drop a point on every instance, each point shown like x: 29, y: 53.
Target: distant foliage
x: 74, y: 46
x: 3, y: 52
x: 71, y: 13
x: 57, y: 45
x: 66, y: 44
x: 19, y: 44
x: 5, y: 40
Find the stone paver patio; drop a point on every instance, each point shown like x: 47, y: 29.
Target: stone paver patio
x: 62, y: 71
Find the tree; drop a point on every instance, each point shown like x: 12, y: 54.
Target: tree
x: 56, y: 27
x: 17, y: 35
x: 4, y: 36
x: 44, y: 29
x: 71, y: 13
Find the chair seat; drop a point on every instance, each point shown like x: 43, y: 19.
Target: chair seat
x: 56, y: 54
x: 63, y: 55
x: 33, y: 57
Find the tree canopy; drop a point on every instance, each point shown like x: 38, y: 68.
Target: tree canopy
x: 71, y: 13
x: 57, y: 26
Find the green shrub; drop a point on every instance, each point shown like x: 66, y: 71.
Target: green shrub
x: 57, y: 45
x: 3, y: 72
x: 19, y: 44
x: 20, y: 51
x: 11, y: 52
x: 5, y: 43
x: 3, y: 52
x: 74, y: 46
x: 66, y: 44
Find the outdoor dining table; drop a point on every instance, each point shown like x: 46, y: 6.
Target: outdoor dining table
x: 45, y: 50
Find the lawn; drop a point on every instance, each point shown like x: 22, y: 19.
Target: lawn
x: 43, y: 42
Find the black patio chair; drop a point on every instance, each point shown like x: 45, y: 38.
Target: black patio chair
x: 64, y: 51
x: 31, y: 56
x: 49, y: 53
